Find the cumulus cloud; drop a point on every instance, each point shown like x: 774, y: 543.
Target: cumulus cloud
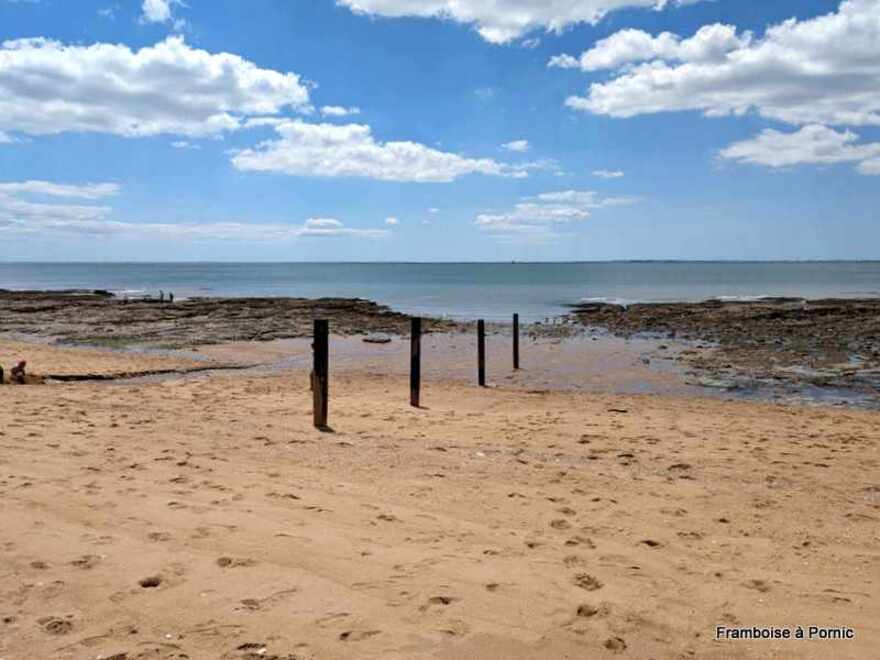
x: 813, y: 144
x: 518, y: 146
x: 392, y: 221
x: 339, y: 111
x: 824, y: 70
x: 502, y: 21
x: 47, y: 87
x: 20, y: 216
x: 711, y: 43
x: 543, y: 215
x: 351, y: 150
x: 157, y: 11
x: 608, y: 174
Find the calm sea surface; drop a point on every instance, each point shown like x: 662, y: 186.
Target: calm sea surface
x: 490, y: 291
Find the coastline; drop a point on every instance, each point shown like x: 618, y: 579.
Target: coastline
x: 823, y: 351
x: 831, y: 344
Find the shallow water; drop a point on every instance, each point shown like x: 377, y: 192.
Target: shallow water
x: 466, y: 291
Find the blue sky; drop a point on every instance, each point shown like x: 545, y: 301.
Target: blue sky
x: 305, y: 130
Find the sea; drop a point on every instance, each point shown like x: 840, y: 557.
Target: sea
x: 492, y: 291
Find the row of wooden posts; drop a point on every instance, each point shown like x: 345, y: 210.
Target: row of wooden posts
x: 321, y: 364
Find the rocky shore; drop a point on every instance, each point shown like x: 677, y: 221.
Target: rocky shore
x: 99, y: 318
x: 823, y: 343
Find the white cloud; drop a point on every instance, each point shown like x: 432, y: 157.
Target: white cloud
x: 170, y: 88
x: 392, y: 221
x: 813, y: 144
x: 333, y: 227
x: 518, y: 146
x: 585, y: 199
x: 351, y: 150
x: 158, y: 11
x: 85, y: 191
x: 184, y: 144
x: 339, y: 111
x: 21, y: 217
x: 542, y: 216
x: 15, y: 211
x: 824, y: 70
x: 608, y: 174
x: 501, y: 21
x: 711, y: 43
x: 433, y: 210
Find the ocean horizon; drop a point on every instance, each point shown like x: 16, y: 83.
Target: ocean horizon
x: 462, y: 290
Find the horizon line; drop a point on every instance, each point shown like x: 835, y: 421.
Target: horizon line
x: 451, y: 262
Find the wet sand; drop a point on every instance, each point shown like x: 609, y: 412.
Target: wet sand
x: 203, y: 517
x: 789, y: 344
x: 824, y: 351
x: 581, y: 362
x: 46, y: 361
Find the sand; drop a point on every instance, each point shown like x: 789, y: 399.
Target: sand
x: 204, y: 518
x: 45, y: 361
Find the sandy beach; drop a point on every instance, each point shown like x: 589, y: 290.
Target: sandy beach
x: 204, y: 517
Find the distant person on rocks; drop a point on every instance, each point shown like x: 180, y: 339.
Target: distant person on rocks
x: 171, y: 296
x: 17, y: 375
x: 161, y: 296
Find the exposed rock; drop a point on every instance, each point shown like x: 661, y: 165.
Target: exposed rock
x: 96, y: 318
x: 831, y: 343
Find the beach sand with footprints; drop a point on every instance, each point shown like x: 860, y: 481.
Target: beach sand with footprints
x: 204, y: 517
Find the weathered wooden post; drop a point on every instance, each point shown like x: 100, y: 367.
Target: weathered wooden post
x: 481, y: 353
x: 515, y: 341
x: 1, y: 376
x: 415, y: 362
x: 320, y: 377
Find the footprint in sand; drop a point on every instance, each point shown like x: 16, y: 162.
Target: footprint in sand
x: 250, y: 604
x: 230, y: 562
x: 580, y: 540
x: 150, y: 582
x: 758, y: 585
x: 615, y: 644
x: 437, y: 601
x: 331, y: 618
x: 358, y: 635
x: 55, y: 626
x: 86, y: 562
x: 587, y: 611
x: 588, y: 582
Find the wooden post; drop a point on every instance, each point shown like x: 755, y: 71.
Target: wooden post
x: 1, y: 376
x: 321, y: 368
x: 515, y: 341
x: 481, y: 353
x: 415, y: 362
